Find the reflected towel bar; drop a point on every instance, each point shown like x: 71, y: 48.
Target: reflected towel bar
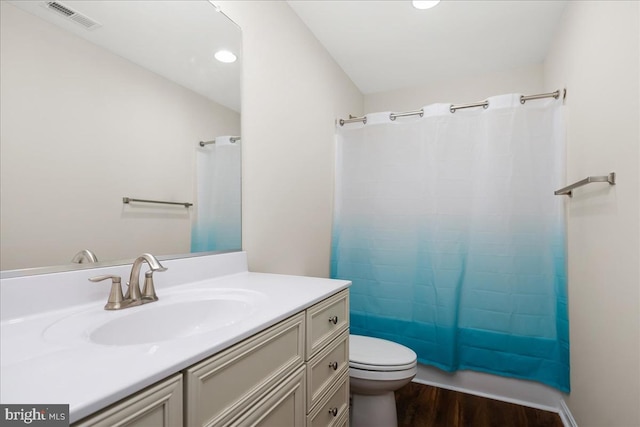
x: 232, y: 139
x: 127, y: 200
x: 566, y: 191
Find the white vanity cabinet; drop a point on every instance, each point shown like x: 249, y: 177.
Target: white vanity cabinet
x: 293, y: 374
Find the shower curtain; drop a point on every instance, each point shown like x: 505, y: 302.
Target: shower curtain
x: 448, y: 227
x: 217, y: 222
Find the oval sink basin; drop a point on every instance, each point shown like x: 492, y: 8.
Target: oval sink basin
x: 174, y: 316
x: 171, y: 321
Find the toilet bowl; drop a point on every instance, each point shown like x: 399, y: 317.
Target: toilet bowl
x: 377, y: 368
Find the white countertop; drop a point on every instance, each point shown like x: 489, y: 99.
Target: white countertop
x: 35, y: 369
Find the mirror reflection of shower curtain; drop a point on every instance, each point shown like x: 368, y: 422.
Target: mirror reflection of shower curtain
x: 448, y: 227
x: 217, y: 226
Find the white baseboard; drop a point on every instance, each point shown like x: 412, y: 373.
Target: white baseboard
x: 520, y: 392
x: 566, y: 416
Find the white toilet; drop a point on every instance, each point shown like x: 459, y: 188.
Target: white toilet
x: 377, y: 368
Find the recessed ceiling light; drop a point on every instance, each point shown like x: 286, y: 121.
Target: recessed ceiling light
x: 225, y: 56
x: 425, y: 4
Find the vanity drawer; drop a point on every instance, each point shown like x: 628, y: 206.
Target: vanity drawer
x: 222, y: 386
x: 343, y: 421
x: 326, y: 367
x: 326, y: 320
x: 334, y: 406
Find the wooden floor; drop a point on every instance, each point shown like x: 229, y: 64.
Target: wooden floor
x: 425, y: 406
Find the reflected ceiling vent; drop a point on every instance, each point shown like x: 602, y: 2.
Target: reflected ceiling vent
x: 68, y: 13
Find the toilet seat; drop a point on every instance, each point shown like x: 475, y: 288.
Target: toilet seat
x: 374, y: 354
x: 381, y: 368
x: 382, y: 375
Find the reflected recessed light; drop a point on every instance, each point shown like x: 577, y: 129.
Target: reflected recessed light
x: 425, y: 4
x: 225, y: 56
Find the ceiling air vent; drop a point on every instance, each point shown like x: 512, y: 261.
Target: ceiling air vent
x: 68, y: 13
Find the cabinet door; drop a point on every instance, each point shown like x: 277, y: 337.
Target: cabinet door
x: 157, y: 406
x: 222, y: 387
x: 282, y: 407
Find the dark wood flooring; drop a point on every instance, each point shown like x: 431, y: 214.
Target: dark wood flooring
x: 420, y: 405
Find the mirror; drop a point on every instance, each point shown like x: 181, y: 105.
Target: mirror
x: 102, y: 101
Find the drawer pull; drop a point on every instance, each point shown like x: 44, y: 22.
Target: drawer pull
x: 334, y: 365
x: 333, y: 319
x: 334, y: 411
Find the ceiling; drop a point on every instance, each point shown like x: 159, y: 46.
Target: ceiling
x: 175, y: 39
x: 388, y: 45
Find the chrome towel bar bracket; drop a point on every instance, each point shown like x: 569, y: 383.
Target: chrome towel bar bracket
x: 567, y: 191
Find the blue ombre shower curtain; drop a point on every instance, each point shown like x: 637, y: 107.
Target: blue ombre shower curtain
x: 216, y: 226
x: 448, y: 227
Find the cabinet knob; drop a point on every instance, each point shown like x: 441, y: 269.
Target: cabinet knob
x: 334, y: 365
x: 333, y: 411
x: 333, y: 319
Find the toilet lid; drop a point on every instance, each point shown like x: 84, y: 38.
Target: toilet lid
x: 375, y: 354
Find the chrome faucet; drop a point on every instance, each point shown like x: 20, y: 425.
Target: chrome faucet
x: 148, y: 292
x: 84, y: 255
x: 133, y: 296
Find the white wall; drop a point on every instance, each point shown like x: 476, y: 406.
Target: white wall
x: 596, y: 57
x: 82, y: 128
x: 292, y: 93
x: 525, y: 80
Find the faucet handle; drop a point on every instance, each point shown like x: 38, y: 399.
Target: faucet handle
x: 148, y: 290
x: 116, y: 299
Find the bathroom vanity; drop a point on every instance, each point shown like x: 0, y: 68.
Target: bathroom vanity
x: 279, y: 358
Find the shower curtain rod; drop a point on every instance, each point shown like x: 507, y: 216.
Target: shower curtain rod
x: 232, y: 139
x: 453, y: 108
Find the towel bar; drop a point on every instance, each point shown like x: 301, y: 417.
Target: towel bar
x: 127, y: 200
x: 567, y: 191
